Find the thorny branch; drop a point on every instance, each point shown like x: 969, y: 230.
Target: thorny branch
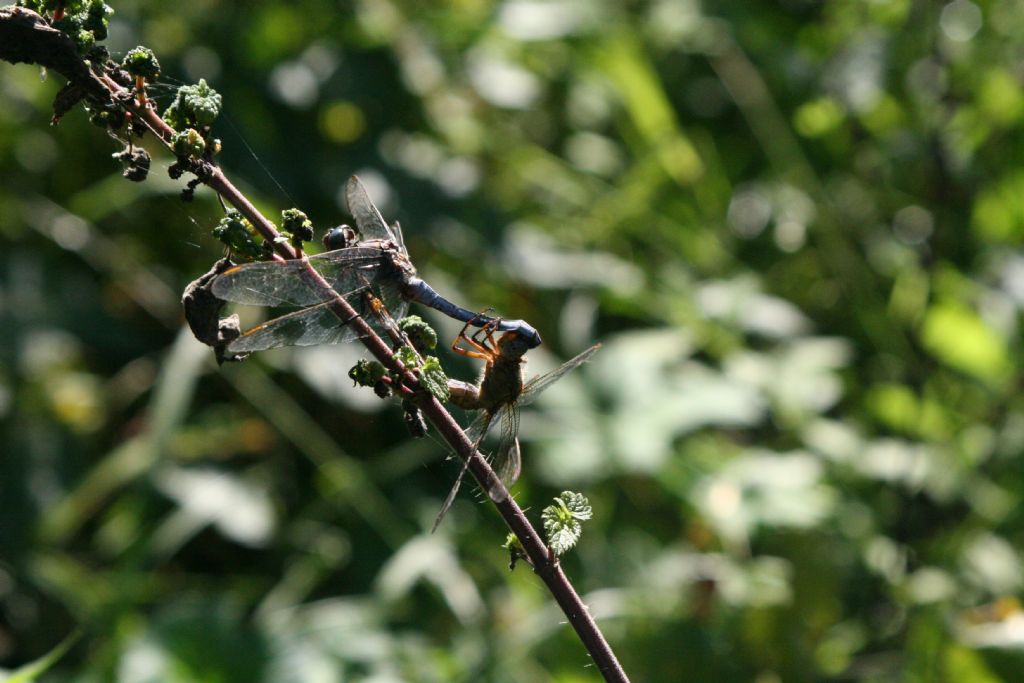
x: 26, y: 37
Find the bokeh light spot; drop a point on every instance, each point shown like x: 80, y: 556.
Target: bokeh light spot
x: 960, y: 20
x: 342, y: 122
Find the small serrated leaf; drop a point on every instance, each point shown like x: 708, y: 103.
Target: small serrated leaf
x: 577, y: 504
x: 562, y: 537
x: 562, y: 521
x: 434, y: 379
x: 407, y: 356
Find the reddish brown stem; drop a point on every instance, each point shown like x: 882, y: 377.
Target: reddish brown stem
x: 140, y: 90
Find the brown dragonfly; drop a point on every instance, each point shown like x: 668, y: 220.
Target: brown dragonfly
x: 499, y: 395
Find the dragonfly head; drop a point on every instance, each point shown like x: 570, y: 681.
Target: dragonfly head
x: 514, y: 345
x: 340, y: 237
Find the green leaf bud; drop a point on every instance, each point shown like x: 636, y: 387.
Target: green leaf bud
x: 188, y: 143
x: 194, y: 106
x: 298, y: 225
x: 422, y: 335
x: 141, y: 62
x: 515, y: 549
x: 97, y: 19
x: 407, y: 356
x: 236, y: 232
x: 367, y: 373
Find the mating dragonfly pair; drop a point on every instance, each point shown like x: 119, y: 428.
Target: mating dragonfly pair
x: 378, y: 260
x: 375, y: 269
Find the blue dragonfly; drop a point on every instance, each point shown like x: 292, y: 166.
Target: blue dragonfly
x: 376, y: 261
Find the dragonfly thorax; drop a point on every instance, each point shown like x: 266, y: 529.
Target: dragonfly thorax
x: 397, y: 257
x: 502, y: 382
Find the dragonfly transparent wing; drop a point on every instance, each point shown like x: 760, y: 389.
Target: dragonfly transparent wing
x: 475, y: 433
x: 396, y: 228
x: 507, y: 462
x: 316, y: 325
x: 536, y: 385
x: 308, y: 327
x: 477, y: 429
x: 285, y: 283
x: 368, y: 219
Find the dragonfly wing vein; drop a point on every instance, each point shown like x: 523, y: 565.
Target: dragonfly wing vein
x: 308, y: 327
x: 273, y: 283
x: 507, y: 459
x: 475, y: 433
x: 535, y: 386
x: 368, y: 219
x: 268, y: 283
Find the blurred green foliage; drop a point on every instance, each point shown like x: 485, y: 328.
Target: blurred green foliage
x: 795, y: 227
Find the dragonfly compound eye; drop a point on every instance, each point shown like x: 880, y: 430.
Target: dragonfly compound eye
x: 339, y: 237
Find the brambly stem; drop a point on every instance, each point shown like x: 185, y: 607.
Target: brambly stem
x: 30, y: 26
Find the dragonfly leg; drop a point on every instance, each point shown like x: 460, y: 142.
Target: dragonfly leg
x: 488, y: 332
x: 471, y: 321
x: 462, y: 332
x: 482, y: 355
x: 481, y: 331
x: 478, y: 348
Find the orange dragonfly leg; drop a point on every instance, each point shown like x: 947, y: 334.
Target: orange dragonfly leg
x: 484, y: 349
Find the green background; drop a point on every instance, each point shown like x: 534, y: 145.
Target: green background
x: 794, y: 226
